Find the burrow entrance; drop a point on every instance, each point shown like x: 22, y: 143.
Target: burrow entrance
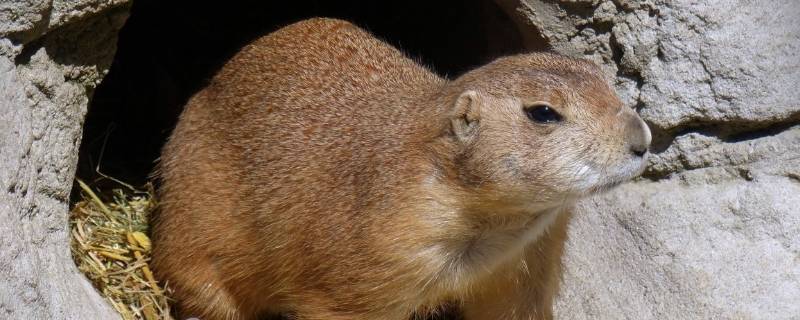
x: 169, y: 49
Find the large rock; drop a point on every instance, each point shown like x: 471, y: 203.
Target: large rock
x: 711, y: 231
x: 713, y: 228
x: 52, y: 54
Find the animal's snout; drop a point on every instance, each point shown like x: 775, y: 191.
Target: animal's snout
x: 637, y: 134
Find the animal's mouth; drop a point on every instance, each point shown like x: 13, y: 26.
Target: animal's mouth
x: 606, y: 186
x: 617, y: 176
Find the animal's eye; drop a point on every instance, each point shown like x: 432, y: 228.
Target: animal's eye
x: 542, y: 114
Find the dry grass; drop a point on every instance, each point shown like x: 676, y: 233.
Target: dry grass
x: 110, y: 245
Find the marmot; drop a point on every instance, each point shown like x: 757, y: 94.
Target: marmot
x: 324, y: 175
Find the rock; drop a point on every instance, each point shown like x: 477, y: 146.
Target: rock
x: 686, y: 250
x: 52, y: 55
x: 711, y: 231
x: 713, y: 228
x: 26, y: 20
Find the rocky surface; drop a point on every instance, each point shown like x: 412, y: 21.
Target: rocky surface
x: 52, y: 55
x: 711, y: 231
x: 713, y: 228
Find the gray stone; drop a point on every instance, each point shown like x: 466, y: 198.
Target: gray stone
x: 52, y: 55
x: 713, y: 228
x: 711, y: 231
x: 686, y: 250
x: 23, y: 19
x: 26, y: 20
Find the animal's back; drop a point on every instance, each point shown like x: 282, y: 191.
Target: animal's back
x: 322, y: 67
x: 321, y: 91
x: 295, y: 131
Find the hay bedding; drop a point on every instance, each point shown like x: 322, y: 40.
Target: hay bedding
x: 110, y: 245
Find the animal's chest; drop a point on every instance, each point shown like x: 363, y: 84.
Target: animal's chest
x: 460, y: 264
x: 496, y: 247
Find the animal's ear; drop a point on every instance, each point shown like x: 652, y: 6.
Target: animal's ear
x: 466, y: 115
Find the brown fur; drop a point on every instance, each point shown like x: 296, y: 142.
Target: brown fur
x: 325, y: 175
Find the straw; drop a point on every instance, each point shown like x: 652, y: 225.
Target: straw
x: 111, y: 247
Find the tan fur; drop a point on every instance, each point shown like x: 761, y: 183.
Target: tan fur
x: 325, y: 175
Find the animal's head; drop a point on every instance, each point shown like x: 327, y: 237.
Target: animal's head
x: 544, y: 128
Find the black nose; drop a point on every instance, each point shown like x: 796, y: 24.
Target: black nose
x: 639, y: 151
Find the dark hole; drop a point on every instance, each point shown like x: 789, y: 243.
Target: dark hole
x: 169, y: 49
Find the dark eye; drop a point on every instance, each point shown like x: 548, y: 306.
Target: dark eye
x: 542, y: 114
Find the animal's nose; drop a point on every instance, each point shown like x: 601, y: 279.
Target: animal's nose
x: 638, y: 151
x: 637, y: 134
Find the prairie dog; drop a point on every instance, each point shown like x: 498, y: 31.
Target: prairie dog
x: 324, y: 175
